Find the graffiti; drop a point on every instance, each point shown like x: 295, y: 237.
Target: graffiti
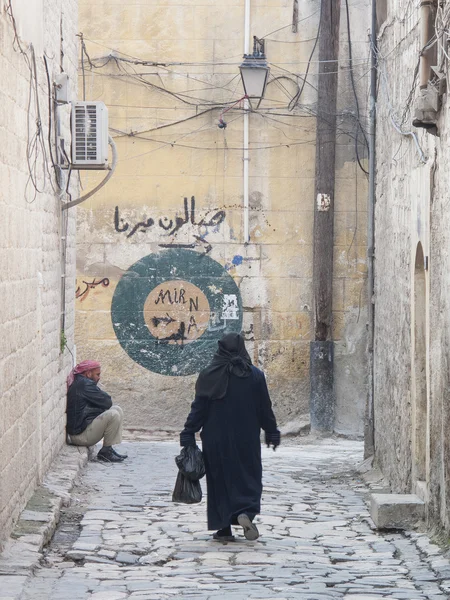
x: 170, y: 309
x: 171, y: 226
x: 90, y: 285
x: 179, y: 336
x: 206, y: 246
x: 239, y: 260
x: 176, y: 312
x: 249, y: 334
x: 216, y: 323
x: 157, y: 320
x: 178, y: 298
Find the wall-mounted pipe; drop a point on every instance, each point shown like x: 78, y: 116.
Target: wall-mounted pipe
x: 369, y: 426
x: 246, y: 158
x: 426, y: 34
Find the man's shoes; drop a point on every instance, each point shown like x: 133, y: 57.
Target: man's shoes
x: 251, y: 532
x: 107, y: 454
x: 122, y: 456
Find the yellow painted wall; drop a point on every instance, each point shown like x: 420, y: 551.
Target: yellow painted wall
x: 164, y: 117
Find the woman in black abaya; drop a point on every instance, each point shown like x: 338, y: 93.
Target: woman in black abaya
x: 231, y: 406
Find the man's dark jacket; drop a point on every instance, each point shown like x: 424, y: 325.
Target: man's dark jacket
x: 85, y: 401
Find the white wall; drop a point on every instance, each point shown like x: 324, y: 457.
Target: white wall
x: 32, y: 366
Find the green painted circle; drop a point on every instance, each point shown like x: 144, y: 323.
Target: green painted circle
x: 132, y: 291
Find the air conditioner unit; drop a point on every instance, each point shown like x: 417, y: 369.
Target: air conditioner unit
x: 89, y: 135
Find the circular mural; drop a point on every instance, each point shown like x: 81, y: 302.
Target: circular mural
x: 170, y: 309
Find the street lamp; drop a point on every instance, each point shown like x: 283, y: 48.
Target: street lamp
x: 254, y: 72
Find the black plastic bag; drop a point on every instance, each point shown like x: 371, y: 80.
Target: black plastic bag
x: 190, y: 463
x: 186, y: 491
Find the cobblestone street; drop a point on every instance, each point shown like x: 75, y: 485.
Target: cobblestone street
x: 123, y: 538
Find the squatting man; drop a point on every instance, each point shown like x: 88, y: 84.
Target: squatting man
x: 91, y: 415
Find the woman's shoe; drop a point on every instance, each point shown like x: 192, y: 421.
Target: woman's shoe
x: 224, y: 535
x: 223, y: 538
x: 251, y: 532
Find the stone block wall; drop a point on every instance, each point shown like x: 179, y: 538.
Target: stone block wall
x: 412, y: 213
x: 399, y: 173
x: 32, y: 366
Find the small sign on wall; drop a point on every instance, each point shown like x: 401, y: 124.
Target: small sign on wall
x: 230, y: 307
x: 323, y: 202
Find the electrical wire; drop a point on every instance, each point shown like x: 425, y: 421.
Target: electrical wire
x: 132, y: 134
x: 127, y: 66
x: 280, y: 85
x: 36, y: 145
x: 163, y: 144
x: 56, y: 167
x: 290, y: 25
x: 133, y: 60
x: 297, y: 75
x: 50, y: 146
x: 162, y: 64
x: 352, y: 79
x: 188, y: 98
x: 35, y: 142
x: 391, y: 112
x: 182, y: 97
x: 237, y: 148
x: 82, y: 45
x: 311, y: 113
x: 441, y: 27
x: 107, y: 60
x: 340, y: 130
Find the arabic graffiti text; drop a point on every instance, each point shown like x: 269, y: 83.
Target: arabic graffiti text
x: 211, y: 219
x: 82, y: 294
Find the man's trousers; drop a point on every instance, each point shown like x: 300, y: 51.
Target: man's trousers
x: 107, y: 426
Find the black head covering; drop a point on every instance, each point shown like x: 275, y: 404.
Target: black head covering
x: 231, y: 357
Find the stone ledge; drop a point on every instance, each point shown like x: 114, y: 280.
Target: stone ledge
x: 396, y: 511
x: 37, y: 523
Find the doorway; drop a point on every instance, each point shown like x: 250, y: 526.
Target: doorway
x: 420, y: 405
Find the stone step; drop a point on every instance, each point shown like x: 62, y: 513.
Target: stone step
x: 396, y: 511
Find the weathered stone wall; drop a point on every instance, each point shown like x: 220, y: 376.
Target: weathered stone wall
x: 350, y: 239
x: 32, y: 367
x: 398, y: 172
x: 411, y: 423
x: 173, y: 211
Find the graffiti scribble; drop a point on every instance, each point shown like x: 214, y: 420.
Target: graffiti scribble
x: 82, y: 295
x: 167, y: 320
x: 179, y: 336
x: 249, y: 335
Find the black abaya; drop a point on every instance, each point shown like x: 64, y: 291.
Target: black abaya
x: 231, y: 446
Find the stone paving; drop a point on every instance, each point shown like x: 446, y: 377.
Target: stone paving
x: 123, y: 538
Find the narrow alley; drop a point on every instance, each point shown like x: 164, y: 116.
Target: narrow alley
x: 123, y: 538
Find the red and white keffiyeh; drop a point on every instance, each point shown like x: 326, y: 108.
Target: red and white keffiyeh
x: 82, y: 367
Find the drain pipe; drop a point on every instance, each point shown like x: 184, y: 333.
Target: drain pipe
x: 426, y: 29
x: 246, y: 158
x: 369, y: 433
